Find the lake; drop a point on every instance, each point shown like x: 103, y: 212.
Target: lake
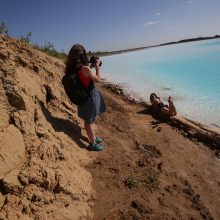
x: 189, y: 72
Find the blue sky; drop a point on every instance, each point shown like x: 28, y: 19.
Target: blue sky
x: 106, y: 25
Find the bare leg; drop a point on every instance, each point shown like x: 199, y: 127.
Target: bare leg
x: 167, y: 111
x: 172, y: 108
x: 90, y: 132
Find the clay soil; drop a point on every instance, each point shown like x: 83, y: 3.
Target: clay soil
x: 149, y: 170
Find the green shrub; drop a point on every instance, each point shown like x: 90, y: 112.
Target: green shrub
x: 3, y: 28
x: 27, y: 38
x: 131, y: 181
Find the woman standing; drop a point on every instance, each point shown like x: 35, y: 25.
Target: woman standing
x: 78, y: 63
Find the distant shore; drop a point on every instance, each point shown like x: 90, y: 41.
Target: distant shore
x: 159, y: 45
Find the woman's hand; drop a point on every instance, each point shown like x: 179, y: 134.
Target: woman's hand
x: 97, y: 64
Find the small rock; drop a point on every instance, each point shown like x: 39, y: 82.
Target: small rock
x: 140, y: 207
x: 159, y: 129
x: 195, y: 199
x: 217, y: 154
x: 160, y: 166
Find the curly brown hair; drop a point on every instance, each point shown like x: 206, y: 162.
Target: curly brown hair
x: 77, y: 57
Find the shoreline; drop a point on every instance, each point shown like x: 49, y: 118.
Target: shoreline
x: 152, y: 168
x: 189, y: 128
x: 144, y: 73
x: 115, y: 52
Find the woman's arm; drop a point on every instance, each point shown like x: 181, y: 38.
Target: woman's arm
x: 157, y: 97
x: 89, y: 73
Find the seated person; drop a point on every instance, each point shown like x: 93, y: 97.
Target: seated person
x: 168, y: 110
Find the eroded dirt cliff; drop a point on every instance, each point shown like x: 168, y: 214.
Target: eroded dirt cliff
x: 42, y: 159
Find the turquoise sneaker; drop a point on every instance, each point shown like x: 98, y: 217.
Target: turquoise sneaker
x: 98, y: 140
x: 95, y: 147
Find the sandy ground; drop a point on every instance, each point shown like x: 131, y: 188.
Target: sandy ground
x: 144, y: 172
x: 147, y: 174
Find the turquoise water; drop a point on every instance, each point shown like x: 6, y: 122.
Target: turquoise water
x: 189, y: 72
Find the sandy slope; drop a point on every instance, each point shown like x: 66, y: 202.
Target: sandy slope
x: 42, y: 174
x: 47, y: 173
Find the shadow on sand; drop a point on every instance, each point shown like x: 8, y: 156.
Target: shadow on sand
x: 159, y: 118
x: 63, y: 125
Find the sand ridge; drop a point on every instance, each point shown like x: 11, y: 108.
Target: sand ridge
x: 42, y: 158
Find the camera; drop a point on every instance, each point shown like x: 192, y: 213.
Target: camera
x: 93, y: 61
